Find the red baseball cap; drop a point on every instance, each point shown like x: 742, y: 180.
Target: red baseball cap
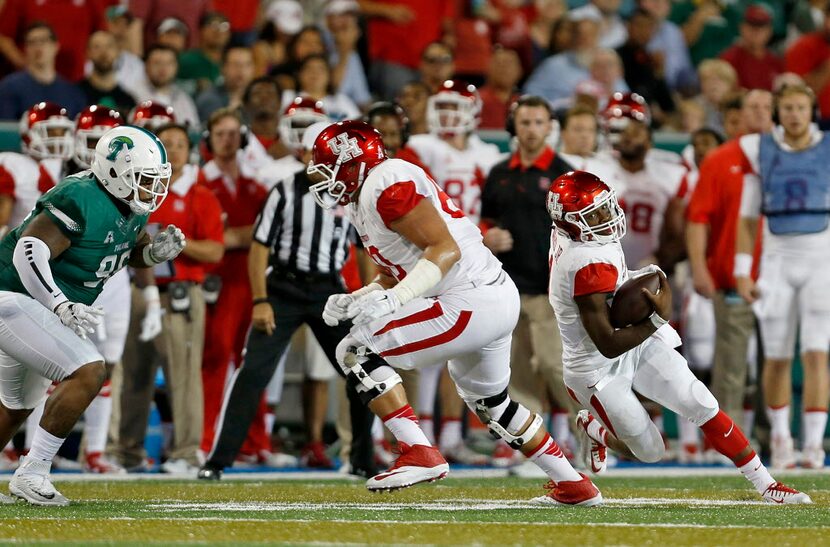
x: 757, y: 15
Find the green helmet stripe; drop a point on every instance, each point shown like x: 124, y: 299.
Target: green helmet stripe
x: 155, y: 140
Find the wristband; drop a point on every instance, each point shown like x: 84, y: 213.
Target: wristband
x: 743, y: 265
x: 260, y: 300
x: 656, y: 320
x: 423, y: 277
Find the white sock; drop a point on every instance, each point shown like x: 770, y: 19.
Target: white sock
x: 757, y: 474
x: 32, y: 422
x: 687, y: 432
x: 815, y: 422
x: 97, y: 420
x: 427, y: 426
x: 779, y: 421
x: 560, y: 427
x: 269, y: 418
x: 44, y: 445
x: 450, y: 433
x: 404, y: 426
x: 548, y: 456
x: 749, y: 421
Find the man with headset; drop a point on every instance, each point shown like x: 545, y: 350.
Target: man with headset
x: 513, y: 206
x: 227, y: 291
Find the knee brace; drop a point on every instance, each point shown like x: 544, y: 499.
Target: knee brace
x: 368, y: 374
x: 505, y: 418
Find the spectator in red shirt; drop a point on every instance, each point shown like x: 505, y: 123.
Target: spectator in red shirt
x: 809, y: 57
x: 755, y: 64
x: 499, y: 90
x: 150, y: 14
x: 72, y: 22
x: 398, y: 31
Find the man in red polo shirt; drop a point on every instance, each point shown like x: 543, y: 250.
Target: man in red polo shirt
x: 809, y: 57
x: 712, y: 217
x: 755, y: 64
x: 229, y: 309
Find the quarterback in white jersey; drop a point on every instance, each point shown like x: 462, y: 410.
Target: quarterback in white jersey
x: 790, y: 186
x: 457, y: 159
x: 441, y: 296
x: 604, y: 366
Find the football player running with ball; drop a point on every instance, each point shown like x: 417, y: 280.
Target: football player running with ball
x: 441, y: 296
x: 604, y: 367
x: 52, y: 268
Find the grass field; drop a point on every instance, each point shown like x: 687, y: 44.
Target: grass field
x: 669, y: 511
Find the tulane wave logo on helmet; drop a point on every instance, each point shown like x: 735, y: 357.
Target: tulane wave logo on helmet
x: 117, y: 145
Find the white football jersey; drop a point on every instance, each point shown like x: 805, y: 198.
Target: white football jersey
x: 601, y: 164
x: 644, y: 196
x: 396, y: 255
x: 460, y: 173
x: 29, y: 179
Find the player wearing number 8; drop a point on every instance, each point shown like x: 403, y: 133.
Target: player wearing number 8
x: 52, y: 268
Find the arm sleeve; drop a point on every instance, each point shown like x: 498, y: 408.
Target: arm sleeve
x: 270, y: 216
x: 751, y: 196
x: 397, y: 200
x: 595, y: 278
x: 31, y: 260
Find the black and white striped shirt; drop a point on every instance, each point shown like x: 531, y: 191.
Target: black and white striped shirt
x: 301, y: 235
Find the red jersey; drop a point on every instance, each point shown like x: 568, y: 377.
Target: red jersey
x: 807, y: 54
x: 193, y: 208
x: 385, y: 43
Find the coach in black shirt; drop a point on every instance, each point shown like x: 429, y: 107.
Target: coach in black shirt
x: 513, y: 205
x: 294, y: 265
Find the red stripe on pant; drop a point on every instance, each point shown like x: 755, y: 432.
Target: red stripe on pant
x: 600, y: 410
x: 432, y: 312
x: 447, y: 336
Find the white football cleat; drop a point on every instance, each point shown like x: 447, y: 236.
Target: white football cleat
x: 31, y: 483
x: 812, y: 457
x: 6, y: 500
x: 179, y: 466
x: 784, y: 495
x: 782, y: 454
x: 582, y: 493
x: 592, y: 451
x: 416, y: 464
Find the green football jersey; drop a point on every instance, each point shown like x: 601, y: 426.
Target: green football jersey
x: 102, y: 235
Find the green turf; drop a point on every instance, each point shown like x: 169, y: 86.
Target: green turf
x: 687, y: 511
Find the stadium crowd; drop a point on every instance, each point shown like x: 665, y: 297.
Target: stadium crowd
x: 237, y: 91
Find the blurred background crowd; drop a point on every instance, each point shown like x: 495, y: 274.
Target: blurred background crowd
x: 241, y: 80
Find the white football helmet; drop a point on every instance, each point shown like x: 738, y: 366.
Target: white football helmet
x: 453, y: 109
x: 46, y: 132
x: 132, y: 163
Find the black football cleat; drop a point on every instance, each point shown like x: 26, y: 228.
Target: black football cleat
x: 209, y: 473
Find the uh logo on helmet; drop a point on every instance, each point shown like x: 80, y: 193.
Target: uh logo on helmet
x: 341, y: 158
x: 132, y: 165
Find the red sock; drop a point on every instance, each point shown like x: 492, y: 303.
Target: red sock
x: 727, y: 438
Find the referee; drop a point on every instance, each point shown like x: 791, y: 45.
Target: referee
x: 305, y: 248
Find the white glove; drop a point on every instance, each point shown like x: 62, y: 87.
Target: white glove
x: 337, y: 309
x: 374, y: 305
x: 79, y: 317
x: 651, y: 268
x: 166, y: 245
x: 151, y: 324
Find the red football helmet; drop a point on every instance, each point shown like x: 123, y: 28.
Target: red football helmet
x: 343, y: 154
x: 301, y: 113
x: 46, y: 132
x: 621, y: 109
x: 585, y: 208
x: 151, y: 115
x: 454, y: 108
x: 90, y: 125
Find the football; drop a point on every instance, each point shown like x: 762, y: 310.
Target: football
x: 630, y: 305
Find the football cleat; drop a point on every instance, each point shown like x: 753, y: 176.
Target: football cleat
x: 582, y: 493
x: 462, y: 454
x: 592, y: 451
x: 416, y: 464
x: 784, y: 495
x: 6, y: 500
x: 812, y: 457
x: 314, y: 455
x: 178, y: 466
x: 782, y: 455
x: 97, y: 462
x: 209, y: 472
x: 31, y: 483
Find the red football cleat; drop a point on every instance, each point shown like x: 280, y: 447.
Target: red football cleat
x: 314, y: 455
x: 416, y: 464
x: 581, y: 492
